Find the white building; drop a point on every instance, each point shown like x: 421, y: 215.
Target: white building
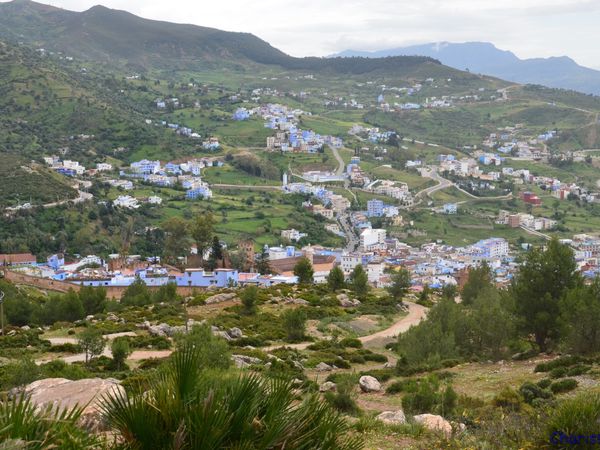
x: 126, y: 201
x: 371, y: 239
x: 350, y: 261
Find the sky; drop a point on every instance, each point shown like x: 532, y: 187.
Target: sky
x: 529, y: 28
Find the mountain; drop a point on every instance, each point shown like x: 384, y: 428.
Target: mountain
x: 483, y: 57
x: 104, y: 34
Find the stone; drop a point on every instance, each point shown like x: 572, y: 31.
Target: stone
x: 243, y: 361
x: 66, y: 394
x: 328, y: 386
x: 392, y: 417
x: 298, y: 365
x: 297, y: 301
x: 368, y: 383
x: 25, y: 328
x: 322, y: 367
x: 434, y: 423
x: 155, y: 330
x: 220, y: 298
x: 235, y: 333
x: 346, y: 302
x: 222, y: 334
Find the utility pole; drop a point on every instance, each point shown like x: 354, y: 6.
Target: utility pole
x: 2, y: 311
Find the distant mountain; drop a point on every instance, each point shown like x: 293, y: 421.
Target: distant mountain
x: 109, y: 35
x: 485, y: 58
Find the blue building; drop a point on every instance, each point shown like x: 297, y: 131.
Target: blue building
x: 375, y: 208
x: 198, y: 192
x: 450, y: 208
x: 241, y: 114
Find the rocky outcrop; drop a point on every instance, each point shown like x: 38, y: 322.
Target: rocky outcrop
x: 67, y: 394
x: 243, y: 361
x: 347, y: 302
x: 323, y: 367
x: 392, y: 417
x: 328, y: 386
x: 434, y: 423
x: 368, y: 383
x: 220, y: 298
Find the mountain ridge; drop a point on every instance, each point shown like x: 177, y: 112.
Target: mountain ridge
x: 484, y: 57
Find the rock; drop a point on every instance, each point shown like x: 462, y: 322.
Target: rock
x: 346, y: 302
x: 11, y: 333
x: 322, y: 367
x: 243, y: 361
x: 392, y: 417
x: 25, y: 328
x: 368, y: 383
x: 214, y: 329
x: 388, y: 365
x: 112, y: 317
x: 66, y: 394
x: 220, y: 298
x: 328, y: 386
x: 434, y: 423
x: 297, y: 382
x: 222, y: 334
x: 90, y: 317
x: 235, y: 333
x: 459, y: 427
x: 298, y: 365
x: 155, y: 330
x: 297, y: 301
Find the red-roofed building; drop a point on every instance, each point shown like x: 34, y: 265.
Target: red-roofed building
x: 531, y: 198
x: 17, y: 259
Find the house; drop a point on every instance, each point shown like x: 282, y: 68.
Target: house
x: 241, y: 114
x: 292, y: 235
x: 56, y: 261
x: 350, y: 261
x: 322, y: 265
x: 198, y: 191
x: 145, y: 167
x: 375, y: 208
x: 126, y: 201
x: 104, y: 167
x: 154, y: 200
x: 372, y: 239
x: 450, y: 208
x: 531, y: 198
x: 17, y: 259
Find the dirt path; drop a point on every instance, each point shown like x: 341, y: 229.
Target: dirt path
x: 416, y: 313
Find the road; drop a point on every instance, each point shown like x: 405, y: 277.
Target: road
x: 442, y: 184
x: 536, y: 233
x: 416, y: 313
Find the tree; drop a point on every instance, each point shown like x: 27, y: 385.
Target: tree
x: 480, y: 278
x: 176, y: 242
x: 543, y: 279
x: 401, y: 283
x: 304, y: 271
x: 262, y: 263
x: 336, y: 279
x: 92, y: 343
x: 136, y: 294
x: 212, y: 351
x: 580, y: 313
x: 216, y: 253
x: 294, y: 323
x: 249, y: 298
x: 359, y: 281
x: 120, y: 351
x: 93, y: 299
x: 202, y: 230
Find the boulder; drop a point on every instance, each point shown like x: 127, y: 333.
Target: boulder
x: 346, y: 302
x: 220, y: 298
x: 235, y: 333
x: 25, y: 328
x: 222, y: 334
x: 368, y: 383
x: 66, y: 394
x: 243, y: 361
x: 155, y: 330
x: 322, y: 367
x: 434, y: 423
x: 328, y: 386
x: 298, y: 365
x: 392, y: 417
x: 297, y: 301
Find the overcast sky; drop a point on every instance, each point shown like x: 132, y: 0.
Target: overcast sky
x: 529, y: 28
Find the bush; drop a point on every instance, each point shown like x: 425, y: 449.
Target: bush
x: 564, y: 361
x: 565, y: 385
x: 578, y: 370
x: 508, y: 399
x: 544, y: 383
x: 531, y: 391
x: 558, y: 372
x: 351, y: 342
x: 429, y: 398
x: 577, y: 416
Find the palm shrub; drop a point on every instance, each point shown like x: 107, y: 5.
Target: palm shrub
x: 188, y: 407
x: 22, y: 425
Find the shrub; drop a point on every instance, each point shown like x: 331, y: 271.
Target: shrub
x: 531, y: 391
x: 558, y: 372
x: 577, y: 416
x: 508, y: 399
x: 564, y: 361
x: 544, y: 383
x: 565, y: 385
x: 351, y: 342
x: 578, y: 370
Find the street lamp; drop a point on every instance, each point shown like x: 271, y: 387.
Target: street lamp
x: 2, y: 311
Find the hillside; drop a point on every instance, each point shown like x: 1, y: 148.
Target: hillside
x: 105, y: 34
x: 483, y: 57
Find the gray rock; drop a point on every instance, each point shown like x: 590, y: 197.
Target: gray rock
x: 222, y: 334
x: 328, y: 386
x: 392, y: 417
x: 434, y: 423
x: 297, y: 301
x: 322, y: 367
x: 66, y: 394
x: 243, y: 361
x: 298, y: 365
x: 25, y: 328
x: 220, y: 298
x: 235, y: 333
x: 368, y: 383
x: 346, y: 302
